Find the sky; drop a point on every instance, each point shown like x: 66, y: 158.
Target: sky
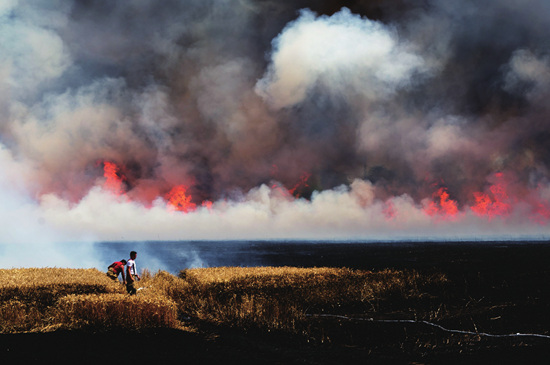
x: 261, y: 119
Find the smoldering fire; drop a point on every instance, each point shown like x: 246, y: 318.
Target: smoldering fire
x: 260, y: 119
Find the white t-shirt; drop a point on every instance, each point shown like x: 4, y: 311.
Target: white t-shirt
x: 131, y: 267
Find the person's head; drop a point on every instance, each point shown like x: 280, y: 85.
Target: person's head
x: 123, y: 262
x: 133, y: 255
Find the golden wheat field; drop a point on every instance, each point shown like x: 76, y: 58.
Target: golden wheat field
x: 39, y: 300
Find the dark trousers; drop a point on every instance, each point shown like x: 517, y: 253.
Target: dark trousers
x: 130, y: 287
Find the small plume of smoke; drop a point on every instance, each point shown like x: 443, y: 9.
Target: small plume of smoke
x: 528, y: 74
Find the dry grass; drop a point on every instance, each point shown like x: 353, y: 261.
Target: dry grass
x: 109, y: 311
x: 263, y: 297
x: 16, y: 316
x: 28, y: 296
x: 280, y: 297
x: 43, y: 287
x: 51, y: 276
x: 267, y: 275
x: 50, y: 298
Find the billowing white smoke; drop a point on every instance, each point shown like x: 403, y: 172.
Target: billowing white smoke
x: 268, y: 213
x: 27, y: 238
x: 343, y: 54
x: 19, y: 214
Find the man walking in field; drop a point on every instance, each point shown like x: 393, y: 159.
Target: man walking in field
x: 116, y: 268
x: 131, y: 274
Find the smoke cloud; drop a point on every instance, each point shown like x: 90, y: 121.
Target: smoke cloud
x: 273, y: 120
x: 343, y: 55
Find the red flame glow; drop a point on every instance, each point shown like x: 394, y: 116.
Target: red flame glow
x: 113, y: 178
x: 207, y: 204
x: 541, y: 214
x: 296, y: 190
x: 495, y: 203
x: 389, y: 210
x: 300, y: 185
x: 441, y: 205
x: 178, y: 200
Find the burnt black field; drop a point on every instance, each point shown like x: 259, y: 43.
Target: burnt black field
x: 461, y: 257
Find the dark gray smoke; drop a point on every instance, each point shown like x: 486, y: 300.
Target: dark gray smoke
x: 293, y: 119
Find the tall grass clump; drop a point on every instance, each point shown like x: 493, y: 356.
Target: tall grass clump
x: 110, y: 311
x: 16, y: 316
x: 44, y: 286
x: 50, y: 298
x: 28, y: 296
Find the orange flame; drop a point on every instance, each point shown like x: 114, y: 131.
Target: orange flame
x: 283, y: 192
x: 113, y: 178
x: 207, y: 204
x: 300, y: 184
x: 296, y: 190
x: 442, y: 205
x: 493, y: 204
x: 178, y: 200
